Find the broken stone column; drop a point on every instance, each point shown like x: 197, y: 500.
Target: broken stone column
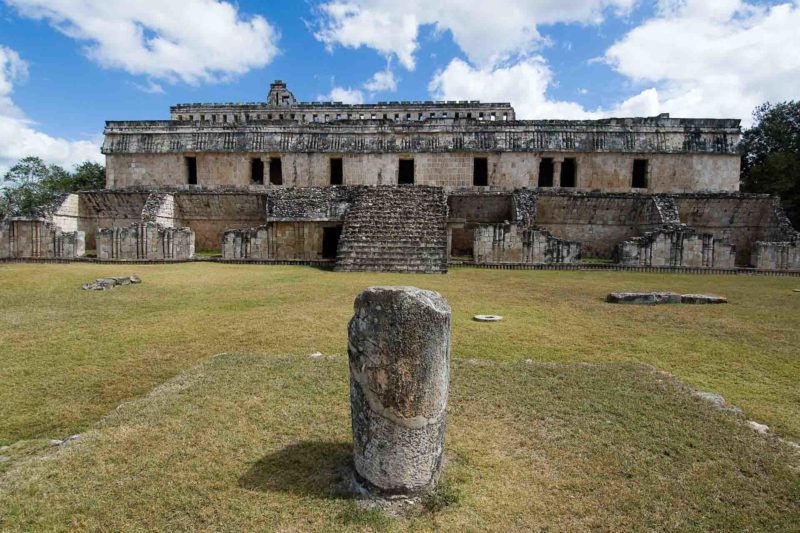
x: 399, y: 348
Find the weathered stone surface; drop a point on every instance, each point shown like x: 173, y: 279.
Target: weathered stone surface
x: 104, y: 284
x: 399, y: 351
x: 703, y: 299
x: 663, y: 298
x: 643, y: 298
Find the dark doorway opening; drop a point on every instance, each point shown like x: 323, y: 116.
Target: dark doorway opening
x: 337, y: 173
x: 330, y: 241
x: 480, y: 172
x: 257, y: 172
x: 275, y: 171
x: 546, y: 172
x: 191, y: 170
x: 568, y: 171
x: 405, y: 175
x: 639, y: 180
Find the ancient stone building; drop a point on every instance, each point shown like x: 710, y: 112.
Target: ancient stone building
x: 410, y: 186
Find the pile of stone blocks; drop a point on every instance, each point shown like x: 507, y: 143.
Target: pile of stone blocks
x: 31, y: 238
x: 144, y: 242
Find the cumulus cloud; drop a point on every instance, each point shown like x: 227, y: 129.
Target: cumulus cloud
x: 714, y: 59
x: 346, y: 96
x: 488, y: 32
x: 524, y: 85
x: 176, y: 40
x: 381, y: 81
x: 18, y: 135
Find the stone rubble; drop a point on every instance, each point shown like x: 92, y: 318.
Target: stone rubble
x: 104, y: 284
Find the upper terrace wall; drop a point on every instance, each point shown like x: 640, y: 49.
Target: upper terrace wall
x: 741, y: 219
x: 608, y: 172
x: 210, y: 214
x: 597, y: 221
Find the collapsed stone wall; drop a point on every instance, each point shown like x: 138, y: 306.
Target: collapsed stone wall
x: 777, y: 255
x: 146, y: 242
x: 515, y: 243
x: 741, y: 219
x: 676, y: 246
x: 598, y: 220
x: 39, y: 238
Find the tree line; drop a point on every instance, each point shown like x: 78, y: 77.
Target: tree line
x: 31, y: 185
x: 770, y: 164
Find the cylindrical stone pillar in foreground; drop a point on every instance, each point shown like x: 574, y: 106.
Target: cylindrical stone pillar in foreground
x: 399, y: 348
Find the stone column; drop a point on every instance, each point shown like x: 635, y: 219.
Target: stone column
x: 557, y: 172
x: 399, y: 350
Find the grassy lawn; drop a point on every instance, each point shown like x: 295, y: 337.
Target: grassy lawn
x: 262, y: 443
x: 70, y: 356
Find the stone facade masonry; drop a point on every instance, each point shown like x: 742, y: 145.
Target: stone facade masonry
x: 145, y: 241
x: 39, y: 238
x: 676, y: 246
x: 512, y: 243
x: 777, y: 256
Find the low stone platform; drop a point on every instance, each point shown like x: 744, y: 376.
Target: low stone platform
x: 654, y: 298
x: 104, y: 284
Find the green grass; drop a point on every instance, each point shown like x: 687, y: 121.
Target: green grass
x: 70, y: 356
x: 262, y: 443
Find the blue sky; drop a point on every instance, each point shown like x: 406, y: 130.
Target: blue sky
x: 66, y: 66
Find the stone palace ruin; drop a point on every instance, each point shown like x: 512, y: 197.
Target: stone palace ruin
x: 412, y: 187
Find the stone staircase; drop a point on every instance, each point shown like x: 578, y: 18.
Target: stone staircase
x: 395, y: 229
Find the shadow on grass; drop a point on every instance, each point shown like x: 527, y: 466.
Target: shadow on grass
x: 319, y: 469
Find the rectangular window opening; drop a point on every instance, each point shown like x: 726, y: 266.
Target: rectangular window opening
x: 337, y: 174
x: 480, y: 172
x: 191, y: 170
x: 256, y: 171
x: 639, y: 180
x: 546, y: 172
x: 275, y: 171
x: 405, y: 175
x: 568, y: 172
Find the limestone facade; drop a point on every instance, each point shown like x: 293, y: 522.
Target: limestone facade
x: 38, y: 238
x: 145, y: 241
x: 677, y: 246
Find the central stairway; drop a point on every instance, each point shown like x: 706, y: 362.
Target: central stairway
x: 395, y: 229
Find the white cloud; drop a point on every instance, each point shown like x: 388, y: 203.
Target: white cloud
x: 18, y: 135
x: 488, y: 32
x: 188, y: 40
x: 525, y: 85
x: 717, y: 59
x: 382, y: 81
x: 346, y: 96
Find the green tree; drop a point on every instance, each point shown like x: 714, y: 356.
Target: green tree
x: 771, y: 155
x: 31, y: 185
